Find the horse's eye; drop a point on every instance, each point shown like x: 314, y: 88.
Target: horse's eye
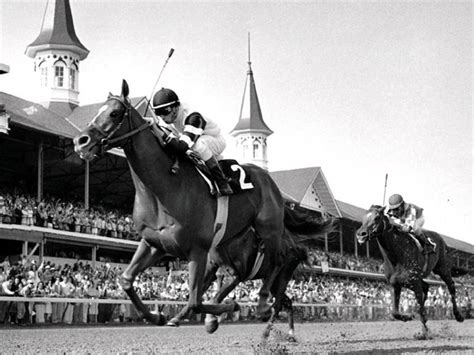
x: 113, y: 114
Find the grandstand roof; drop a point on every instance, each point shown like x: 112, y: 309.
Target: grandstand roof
x: 307, y: 186
x: 350, y: 211
x: 34, y: 116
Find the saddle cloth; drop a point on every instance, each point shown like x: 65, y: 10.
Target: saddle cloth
x: 240, y: 179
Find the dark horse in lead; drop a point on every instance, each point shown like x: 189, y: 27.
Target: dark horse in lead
x: 406, y: 266
x: 175, y: 214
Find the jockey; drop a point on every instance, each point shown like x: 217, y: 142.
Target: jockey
x: 410, y: 219
x: 189, y: 130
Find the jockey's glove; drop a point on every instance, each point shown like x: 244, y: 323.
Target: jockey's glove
x: 407, y: 229
x: 174, y: 145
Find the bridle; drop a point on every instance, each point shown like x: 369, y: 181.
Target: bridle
x: 106, y: 141
x: 379, y: 228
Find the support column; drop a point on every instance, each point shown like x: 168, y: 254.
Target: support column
x: 356, y: 247
x: 341, y: 249
x: 86, y: 186
x: 367, y: 247
x: 41, y: 252
x: 24, y: 250
x: 326, y: 244
x: 39, y: 189
x: 94, y: 255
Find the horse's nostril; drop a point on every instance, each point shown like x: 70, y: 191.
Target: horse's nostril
x: 83, y: 140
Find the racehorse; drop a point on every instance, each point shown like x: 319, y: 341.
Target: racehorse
x: 406, y: 265
x: 243, y: 259
x: 175, y: 214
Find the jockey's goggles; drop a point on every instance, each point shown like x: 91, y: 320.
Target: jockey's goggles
x: 163, y: 111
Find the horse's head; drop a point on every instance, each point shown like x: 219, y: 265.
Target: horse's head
x: 373, y: 224
x: 100, y: 132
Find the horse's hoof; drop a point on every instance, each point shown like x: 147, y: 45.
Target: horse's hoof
x: 420, y: 336
x: 211, y: 324
x: 459, y: 318
x: 157, y: 318
x: 266, y: 317
x: 291, y: 339
x: 173, y: 323
x: 406, y: 317
x: 264, y: 312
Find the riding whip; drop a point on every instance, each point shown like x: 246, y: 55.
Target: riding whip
x: 158, y: 79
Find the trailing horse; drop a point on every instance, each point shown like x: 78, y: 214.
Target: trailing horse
x: 244, y: 259
x: 406, y: 265
x: 175, y: 214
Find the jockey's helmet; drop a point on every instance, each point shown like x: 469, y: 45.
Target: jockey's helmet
x: 395, y: 201
x: 164, y: 98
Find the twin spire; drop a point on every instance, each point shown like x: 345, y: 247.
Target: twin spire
x: 251, y: 131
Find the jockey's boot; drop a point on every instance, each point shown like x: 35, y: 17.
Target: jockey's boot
x: 427, y: 245
x: 222, y: 181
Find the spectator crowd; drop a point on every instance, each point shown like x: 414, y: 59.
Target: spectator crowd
x: 326, y: 296
x: 318, y: 297
x: 54, y: 213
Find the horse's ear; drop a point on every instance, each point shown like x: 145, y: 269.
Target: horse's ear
x: 383, y: 209
x: 110, y: 95
x: 125, y: 89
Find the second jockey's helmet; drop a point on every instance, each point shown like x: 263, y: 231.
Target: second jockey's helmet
x: 164, y: 98
x: 395, y: 201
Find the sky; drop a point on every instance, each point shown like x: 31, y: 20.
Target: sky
x: 360, y: 89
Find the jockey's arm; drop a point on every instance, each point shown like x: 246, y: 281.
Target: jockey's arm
x: 194, y: 125
x: 414, y: 220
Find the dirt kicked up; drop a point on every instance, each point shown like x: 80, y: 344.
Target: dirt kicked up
x: 390, y: 337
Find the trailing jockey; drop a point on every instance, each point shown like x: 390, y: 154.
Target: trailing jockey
x: 191, y: 132
x: 410, y: 219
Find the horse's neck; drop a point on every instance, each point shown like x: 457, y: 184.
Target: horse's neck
x: 389, y: 245
x: 148, y: 160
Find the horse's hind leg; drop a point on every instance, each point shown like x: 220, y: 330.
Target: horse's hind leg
x: 197, y: 268
x: 271, y: 232
x: 448, y: 280
x: 282, y: 300
x: 211, y: 321
x: 209, y: 277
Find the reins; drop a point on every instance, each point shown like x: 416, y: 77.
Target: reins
x: 157, y: 131
x: 107, y: 140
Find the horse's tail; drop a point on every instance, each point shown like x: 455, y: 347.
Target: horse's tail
x: 459, y: 271
x: 305, y: 223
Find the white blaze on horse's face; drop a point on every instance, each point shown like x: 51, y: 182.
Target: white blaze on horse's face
x: 370, y: 218
x: 103, y: 124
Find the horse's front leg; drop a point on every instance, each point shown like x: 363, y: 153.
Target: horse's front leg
x: 197, y: 268
x: 396, y: 290
x: 144, y: 256
x: 288, y: 305
x: 420, y: 297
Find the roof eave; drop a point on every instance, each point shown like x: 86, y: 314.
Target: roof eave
x: 236, y: 132
x: 33, y: 48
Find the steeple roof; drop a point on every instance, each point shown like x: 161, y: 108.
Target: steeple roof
x: 250, y: 118
x: 57, y: 31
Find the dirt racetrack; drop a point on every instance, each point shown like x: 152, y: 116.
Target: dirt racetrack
x: 313, y: 338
